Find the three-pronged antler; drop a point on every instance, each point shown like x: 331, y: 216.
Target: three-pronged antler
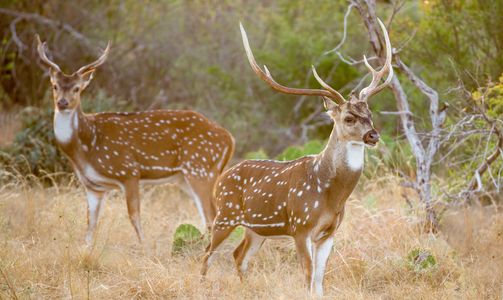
x: 373, y: 87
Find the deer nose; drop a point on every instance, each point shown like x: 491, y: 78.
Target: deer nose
x: 62, y: 103
x: 371, y: 137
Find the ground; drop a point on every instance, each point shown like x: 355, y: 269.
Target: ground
x: 42, y: 252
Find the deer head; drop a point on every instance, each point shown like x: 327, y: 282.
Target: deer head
x: 66, y: 89
x: 352, y: 119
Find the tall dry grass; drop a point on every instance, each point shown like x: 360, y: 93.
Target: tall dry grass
x: 43, y: 255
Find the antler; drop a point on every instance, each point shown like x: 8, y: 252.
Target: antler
x: 43, y: 56
x: 377, y: 75
x: 95, y: 64
x: 265, y: 75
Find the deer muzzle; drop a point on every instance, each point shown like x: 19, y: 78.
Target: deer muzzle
x: 62, y: 104
x: 371, y: 137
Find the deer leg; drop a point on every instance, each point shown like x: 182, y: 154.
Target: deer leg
x: 132, y: 190
x: 304, y: 247
x: 322, y: 252
x: 218, y: 235
x: 250, y: 244
x: 94, y: 204
x: 201, y: 192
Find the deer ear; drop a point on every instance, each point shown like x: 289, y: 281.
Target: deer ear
x: 87, y: 77
x: 329, y: 104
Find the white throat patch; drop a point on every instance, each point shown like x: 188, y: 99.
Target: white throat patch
x: 64, y: 125
x: 355, y: 155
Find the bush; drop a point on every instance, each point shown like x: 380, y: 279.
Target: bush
x: 34, y: 150
x: 259, y: 154
x: 294, y: 152
x: 186, y: 239
x: 421, y: 260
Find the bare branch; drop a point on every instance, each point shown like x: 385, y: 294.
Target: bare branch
x: 345, y: 30
x: 48, y: 22
x: 395, y: 112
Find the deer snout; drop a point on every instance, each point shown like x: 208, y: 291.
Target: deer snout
x: 371, y: 137
x: 62, y: 103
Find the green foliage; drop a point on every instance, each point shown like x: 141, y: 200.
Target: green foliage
x: 259, y: 154
x: 186, y: 239
x: 34, y: 150
x: 294, y: 152
x: 463, y: 38
x: 421, y: 260
x: 237, y: 234
x: 492, y: 98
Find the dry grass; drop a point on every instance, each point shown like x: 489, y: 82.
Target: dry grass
x: 9, y: 126
x: 43, y: 255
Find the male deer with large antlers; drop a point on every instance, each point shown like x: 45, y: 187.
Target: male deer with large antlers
x: 304, y: 198
x: 121, y: 150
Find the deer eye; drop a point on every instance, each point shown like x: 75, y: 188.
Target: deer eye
x: 75, y: 90
x: 55, y: 87
x: 349, y: 120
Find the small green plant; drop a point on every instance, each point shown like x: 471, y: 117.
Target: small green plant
x: 237, y: 234
x: 421, y: 260
x: 186, y: 239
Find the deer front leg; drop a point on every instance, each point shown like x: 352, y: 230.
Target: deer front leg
x: 304, y: 246
x: 94, y: 204
x: 132, y: 191
x: 218, y: 235
x: 322, y: 252
x: 250, y: 244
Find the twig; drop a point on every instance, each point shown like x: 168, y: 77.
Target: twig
x: 9, y: 284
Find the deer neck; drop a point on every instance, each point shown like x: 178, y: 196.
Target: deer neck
x: 72, y: 130
x: 340, y: 157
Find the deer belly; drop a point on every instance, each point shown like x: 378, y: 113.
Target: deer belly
x: 90, y: 178
x: 277, y: 230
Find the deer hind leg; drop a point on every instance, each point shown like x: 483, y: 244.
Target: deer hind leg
x: 132, y: 190
x: 250, y: 244
x: 94, y: 204
x: 304, y: 247
x: 218, y: 235
x: 201, y: 191
x: 321, y: 254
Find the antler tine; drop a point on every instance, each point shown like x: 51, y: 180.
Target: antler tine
x: 339, y: 98
x: 373, y: 87
x: 96, y: 63
x: 267, y: 77
x: 43, y: 56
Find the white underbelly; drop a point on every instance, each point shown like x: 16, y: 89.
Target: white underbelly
x: 173, y: 179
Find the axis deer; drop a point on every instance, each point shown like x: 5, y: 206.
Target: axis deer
x: 113, y: 150
x: 304, y: 198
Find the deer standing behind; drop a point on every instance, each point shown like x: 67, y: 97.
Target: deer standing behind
x: 123, y: 149
x: 303, y: 198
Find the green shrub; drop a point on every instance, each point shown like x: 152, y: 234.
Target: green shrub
x: 259, y: 154
x: 34, y: 150
x: 186, y: 239
x: 294, y: 152
x: 421, y: 260
x: 237, y: 234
